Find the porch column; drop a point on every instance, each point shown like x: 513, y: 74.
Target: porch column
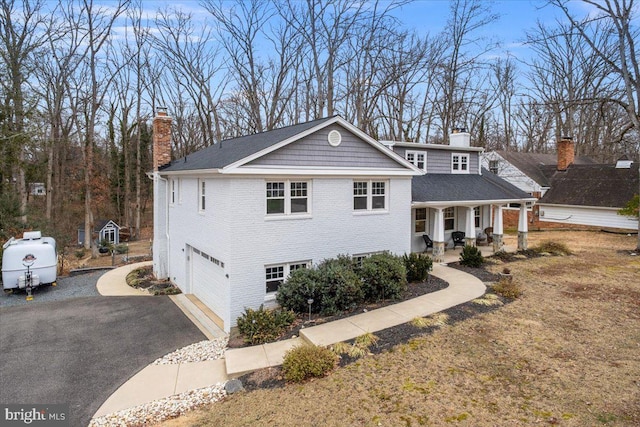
x: 523, y: 229
x: 498, y: 229
x: 438, y: 236
x: 470, y: 229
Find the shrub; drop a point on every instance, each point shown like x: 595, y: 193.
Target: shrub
x: 471, y: 256
x: 301, y: 285
x: 418, y: 267
x: 507, y: 289
x: 308, y: 361
x: 554, y: 248
x: 384, y: 276
x: 122, y: 248
x: 261, y: 326
x: 341, y: 287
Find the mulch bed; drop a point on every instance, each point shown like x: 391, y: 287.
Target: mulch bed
x: 390, y: 337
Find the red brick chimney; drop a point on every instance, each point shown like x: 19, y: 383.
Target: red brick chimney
x: 161, y: 139
x: 566, y: 153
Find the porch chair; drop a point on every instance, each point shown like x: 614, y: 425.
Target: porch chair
x: 489, y: 232
x: 458, y: 238
x: 428, y: 241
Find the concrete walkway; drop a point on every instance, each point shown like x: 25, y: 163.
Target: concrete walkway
x: 158, y: 381
x: 114, y: 283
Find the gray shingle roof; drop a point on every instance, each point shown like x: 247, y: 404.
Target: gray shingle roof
x: 453, y: 187
x: 232, y: 150
x: 534, y: 165
x: 593, y: 185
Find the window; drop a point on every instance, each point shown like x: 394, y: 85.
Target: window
x: 363, y: 199
x: 493, y: 166
x: 421, y: 220
x: 298, y: 197
x: 275, y: 197
x: 476, y: 213
x: 275, y: 274
x: 202, y: 195
x: 357, y: 259
x: 449, y: 219
x: 459, y: 163
x: 287, y: 197
x: 173, y: 191
x: 275, y: 277
x: 418, y: 158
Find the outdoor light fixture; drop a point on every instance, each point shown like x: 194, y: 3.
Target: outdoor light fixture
x: 310, y: 301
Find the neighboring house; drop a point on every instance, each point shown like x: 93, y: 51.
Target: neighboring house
x: 232, y: 221
x: 571, y: 190
x: 526, y: 170
x: 104, y: 230
x: 591, y: 195
x: 37, y: 189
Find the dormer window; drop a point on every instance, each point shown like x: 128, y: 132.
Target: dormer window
x: 418, y: 158
x: 459, y: 163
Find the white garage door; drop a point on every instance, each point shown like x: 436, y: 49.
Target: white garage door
x: 208, y: 282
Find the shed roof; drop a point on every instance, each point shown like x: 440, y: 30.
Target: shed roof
x: 472, y: 187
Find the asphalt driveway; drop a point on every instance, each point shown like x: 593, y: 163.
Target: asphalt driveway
x: 80, y: 350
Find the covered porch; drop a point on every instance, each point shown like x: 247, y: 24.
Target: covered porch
x: 470, y: 206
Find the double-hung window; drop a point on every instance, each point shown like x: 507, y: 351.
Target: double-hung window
x: 287, y: 197
x: 449, y: 219
x: 421, y: 220
x: 418, y: 158
x: 459, y: 163
x: 369, y: 195
x: 202, y: 195
x: 173, y: 191
x: 276, y: 274
x: 476, y: 215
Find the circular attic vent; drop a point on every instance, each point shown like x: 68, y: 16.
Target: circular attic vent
x: 334, y: 138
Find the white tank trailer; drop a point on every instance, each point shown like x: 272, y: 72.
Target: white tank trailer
x: 29, y: 262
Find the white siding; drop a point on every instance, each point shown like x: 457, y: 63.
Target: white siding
x: 511, y: 174
x: 160, y: 242
x: 236, y: 230
x: 592, y: 216
x: 332, y: 229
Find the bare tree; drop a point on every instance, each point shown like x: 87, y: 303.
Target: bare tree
x: 21, y: 35
x: 612, y: 28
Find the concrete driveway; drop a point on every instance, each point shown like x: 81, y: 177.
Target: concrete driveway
x: 79, y: 351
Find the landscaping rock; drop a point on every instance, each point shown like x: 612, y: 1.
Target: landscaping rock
x: 233, y: 386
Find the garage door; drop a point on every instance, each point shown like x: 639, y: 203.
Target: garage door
x: 208, y: 282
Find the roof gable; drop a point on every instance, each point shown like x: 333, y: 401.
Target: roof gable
x: 314, y: 150
x: 537, y: 165
x: 233, y: 154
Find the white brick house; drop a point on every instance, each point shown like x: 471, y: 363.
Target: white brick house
x: 231, y: 221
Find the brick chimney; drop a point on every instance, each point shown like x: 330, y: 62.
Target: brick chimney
x: 566, y: 153
x: 161, y: 139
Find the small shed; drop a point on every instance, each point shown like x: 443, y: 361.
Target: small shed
x: 103, y: 230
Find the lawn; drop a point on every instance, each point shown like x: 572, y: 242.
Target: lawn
x: 567, y: 352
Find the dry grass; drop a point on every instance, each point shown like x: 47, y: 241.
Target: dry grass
x: 565, y: 352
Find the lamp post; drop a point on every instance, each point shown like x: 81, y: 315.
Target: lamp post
x: 310, y: 301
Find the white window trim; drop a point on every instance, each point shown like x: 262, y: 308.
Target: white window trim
x: 202, y: 184
x: 369, y: 210
x: 271, y: 296
x: 172, y: 193
x: 415, y: 158
x: 426, y: 222
x: 179, y: 191
x: 460, y: 156
x: 287, y: 200
x: 444, y: 218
